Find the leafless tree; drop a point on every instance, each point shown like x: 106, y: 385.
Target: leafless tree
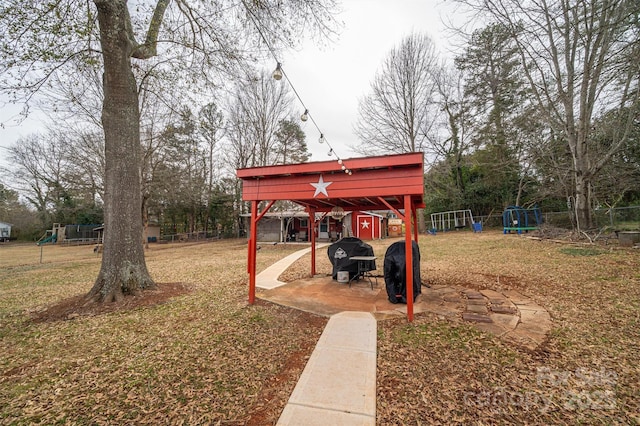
x: 211, y: 124
x: 58, y: 172
x: 401, y: 111
x: 258, y: 107
x: 83, y: 151
x: 37, y: 172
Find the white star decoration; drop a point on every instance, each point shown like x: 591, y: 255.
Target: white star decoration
x: 365, y: 224
x: 321, y: 187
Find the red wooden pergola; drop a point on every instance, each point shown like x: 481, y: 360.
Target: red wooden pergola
x: 394, y: 182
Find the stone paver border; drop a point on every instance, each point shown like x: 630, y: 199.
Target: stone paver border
x: 509, y: 314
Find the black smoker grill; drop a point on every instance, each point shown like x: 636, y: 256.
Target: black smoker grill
x: 340, y: 252
x: 395, y: 272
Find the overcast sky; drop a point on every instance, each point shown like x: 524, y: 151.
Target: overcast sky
x: 329, y: 79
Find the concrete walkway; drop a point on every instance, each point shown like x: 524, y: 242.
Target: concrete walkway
x: 338, y: 384
x: 268, y: 278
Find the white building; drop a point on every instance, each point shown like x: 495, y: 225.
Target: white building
x: 5, y: 231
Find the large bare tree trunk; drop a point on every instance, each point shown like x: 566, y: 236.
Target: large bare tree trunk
x: 577, y: 142
x: 123, y: 270
x: 582, y: 203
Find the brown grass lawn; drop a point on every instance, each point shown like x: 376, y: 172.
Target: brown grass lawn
x: 206, y: 357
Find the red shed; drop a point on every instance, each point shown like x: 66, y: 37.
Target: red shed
x: 394, y: 182
x: 367, y: 225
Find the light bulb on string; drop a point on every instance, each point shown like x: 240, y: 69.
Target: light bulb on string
x: 344, y: 167
x: 277, y: 73
x: 330, y: 153
x: 350, y: 172
x: 347, y: 171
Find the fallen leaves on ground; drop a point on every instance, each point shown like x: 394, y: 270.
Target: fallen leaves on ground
x: 207, y: 357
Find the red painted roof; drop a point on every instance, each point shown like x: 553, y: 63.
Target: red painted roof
x: 323, y: 185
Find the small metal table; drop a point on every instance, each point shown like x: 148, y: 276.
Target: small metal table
x: 363, y: 269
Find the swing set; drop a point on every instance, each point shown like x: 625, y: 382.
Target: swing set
x: 454, y: 219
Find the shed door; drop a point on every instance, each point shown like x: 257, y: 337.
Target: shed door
x: 365, y: 227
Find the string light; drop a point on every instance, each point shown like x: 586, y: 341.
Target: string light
x: 278, y: 73
x: 305, y: 115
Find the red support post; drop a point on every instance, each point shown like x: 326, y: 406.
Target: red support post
x: 252, y: 252
x: 312, y: 231
x: 408, y: 250
x: 253, y: 246
x: 416, y: 231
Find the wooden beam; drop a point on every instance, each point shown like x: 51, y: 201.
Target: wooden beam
x: 260, y: 215
x: 370, y: 183
x: 357, y: 165
x: 396, y: 211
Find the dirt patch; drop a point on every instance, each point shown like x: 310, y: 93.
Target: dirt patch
x: 77, y: 306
